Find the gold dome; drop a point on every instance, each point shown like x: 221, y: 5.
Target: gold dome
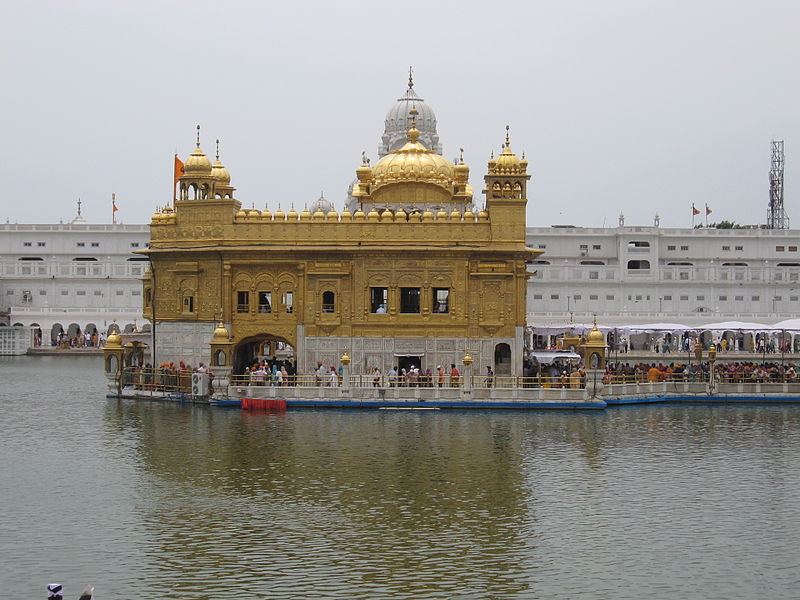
x: 413, y: 162
x: 242, y: 214
x: 114, y: 341
x: 197, y: 163
x: 596, y: 337
x: 507, y: 162
x: 279, y: 214
x: 220, y: 173
x: 220, y: 334
x: 373, y: 214
x: 292, y: 214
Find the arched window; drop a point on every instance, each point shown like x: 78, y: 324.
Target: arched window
x: 328, y: 302
x: 638, y: 265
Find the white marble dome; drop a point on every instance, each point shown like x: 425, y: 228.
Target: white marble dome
x: 321, y: 204
x: 398, y: 122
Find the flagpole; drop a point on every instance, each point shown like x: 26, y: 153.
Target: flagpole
x: 113, y: 209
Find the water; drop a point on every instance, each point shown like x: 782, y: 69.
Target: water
x: 149, y: 500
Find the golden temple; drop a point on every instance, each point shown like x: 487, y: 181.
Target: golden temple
x: 414, y: 275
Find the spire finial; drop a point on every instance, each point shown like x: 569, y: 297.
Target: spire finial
x: 217, y: 149
x: 410, y: 77
x: 461, y: 156
x: 413, y: 134
x: 363, y: 158
x: 79, y: 206
x: 198, y: 136
x: 508, y: 142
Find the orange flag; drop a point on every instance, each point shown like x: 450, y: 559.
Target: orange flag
x: 695, y: 211
x: 708, y: 210
x: 178, y: 168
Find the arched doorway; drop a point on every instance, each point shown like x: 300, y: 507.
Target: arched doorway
x: 502, y: 360
x: 55, y: 334
x: 270, y: 348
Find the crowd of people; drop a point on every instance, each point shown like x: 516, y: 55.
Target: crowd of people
x: 724, y: 372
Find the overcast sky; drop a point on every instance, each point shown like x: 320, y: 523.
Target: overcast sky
x: 622, y: 106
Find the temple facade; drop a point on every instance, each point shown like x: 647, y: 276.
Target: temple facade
x: 419, y: 284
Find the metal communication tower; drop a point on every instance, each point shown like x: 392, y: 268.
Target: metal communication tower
x: 776, y: 215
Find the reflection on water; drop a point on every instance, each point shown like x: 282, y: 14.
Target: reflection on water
x: 150, y: 500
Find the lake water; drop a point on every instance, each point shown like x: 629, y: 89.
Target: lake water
x: 150, y: 500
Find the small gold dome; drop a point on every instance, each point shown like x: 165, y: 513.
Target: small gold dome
x: 114, y: 341
x: 220, y: 334
x: 427, y: 216
x: 346, y: 215
x: 507, y: 162
x: 242, y: 214
x: 483, y: 215
x: 280, y: 215
x: 359, y: 215
x: 455, y: 215
x: 220, y: 173
x: 318, y: 216
x: 469, y: 215
x: 197, y: 163
x: 596, y: 336
x: 400, y: 215
x: 441, y: 215
x: 305, y: 215
x: 386, y: 216
x: 373, y: 214
x: 332, y: 215
x: 292, y: 214
x: 266, y: 215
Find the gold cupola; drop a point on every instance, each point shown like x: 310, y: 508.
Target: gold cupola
x: 410, y: 176
x: 219, y: 172
x: 197, y: 163
x: 508, y: 162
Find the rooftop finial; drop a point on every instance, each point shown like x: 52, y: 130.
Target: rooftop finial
x: 410, y: 77
x: 79, y: 206
x: 508, y: 142
x: 413, y: 133
x: 461, y: 156
x: 198, y: 136
x: 217, y: 149
x: 363, y: 158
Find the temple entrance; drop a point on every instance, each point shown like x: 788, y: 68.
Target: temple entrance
x: 502, y: 360
x: 407, y: 362
x: 271, y: 349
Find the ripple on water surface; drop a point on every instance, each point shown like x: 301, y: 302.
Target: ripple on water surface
x: 159, y: 500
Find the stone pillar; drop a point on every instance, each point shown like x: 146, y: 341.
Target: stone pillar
x: 345, y: 389
x: 221, y: 360
x: 113, y: 357
x: 466, y: 385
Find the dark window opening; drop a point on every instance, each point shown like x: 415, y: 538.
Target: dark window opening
x: 242, y: 302
x: 409, y: 300
x: 328, y: 302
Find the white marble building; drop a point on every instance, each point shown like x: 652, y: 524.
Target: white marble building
x: 71, y: 277
x: 635, y: 275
